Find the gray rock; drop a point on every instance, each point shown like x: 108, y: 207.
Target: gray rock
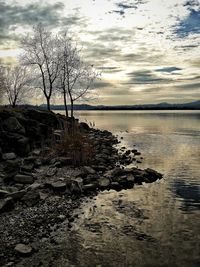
x: 104, y: 182
x: 17, y: 195
x: 130, y: 178
x: 31, y: 198
x: 9, y: 156
x: 51, y: 171
x: 23, y: 179
x: 76, y: 185
x: 89, y: 187
x: 59, y: 186
x: 23, y: 250
x: 89, y: 170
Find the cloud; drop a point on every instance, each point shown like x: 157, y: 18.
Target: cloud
x: 190, y: 86
x: 14, y: 16
x: 146, y: 77
x: 109, y: 69
x: 123, y: 6
x: 168, y: 69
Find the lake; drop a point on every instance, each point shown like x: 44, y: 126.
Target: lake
x: 153, y: 224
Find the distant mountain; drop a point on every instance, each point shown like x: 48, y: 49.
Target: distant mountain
x: 161, y: 106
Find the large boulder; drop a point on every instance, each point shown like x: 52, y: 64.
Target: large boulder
x: 12, y: 125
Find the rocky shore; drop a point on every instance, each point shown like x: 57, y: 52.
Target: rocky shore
x: 40, y: 190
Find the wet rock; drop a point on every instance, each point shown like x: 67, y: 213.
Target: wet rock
x: 9, y: 156
x: 23, y: 179
x: 104, y: 182
x: 137, y: 153
x: 23, y: 250
x: 115, y: 186
x: 152, y: 175
x: 6, y: 204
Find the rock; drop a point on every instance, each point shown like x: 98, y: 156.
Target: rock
x: 23, y: 179
x: 152, y: 175
x: 17, y: 195
x: 11, y: 168
x: 104, y: 182
x: 12, y: 125
x: 59, y: 186
x: 36, y: 152
x: 63, y: 161
x: 27, y: 167
x: 137, y: 153
x: 84, y: 126
x: 23, y: 250
x: 31, y: 198
x: 6, y: 204
x: 51, y: 171
x: 9, y: 156
x: 89, y: 187
x: 116, y: 186
x: 130, y: 178
x: 89, y: 170
x: 22, y: 147
x: 3, y: 193
x: 76, y: 185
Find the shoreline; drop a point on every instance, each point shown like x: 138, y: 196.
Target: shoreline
x: 38, y: 194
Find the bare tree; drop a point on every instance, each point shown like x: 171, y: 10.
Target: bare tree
x: 2, y: 83
x: 41, y: 51
x: 16, y: 84
x: 76, y: 77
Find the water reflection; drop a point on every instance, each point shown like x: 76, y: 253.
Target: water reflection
x: 151, y: 225
x: 189, y: 194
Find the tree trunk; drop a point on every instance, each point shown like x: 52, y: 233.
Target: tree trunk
x: 65, y: 103
x: 72, y: 109
x: 48, y: 104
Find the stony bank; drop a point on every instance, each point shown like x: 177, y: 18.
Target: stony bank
x: 40, y: 187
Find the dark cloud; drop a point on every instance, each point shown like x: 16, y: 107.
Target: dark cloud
x: 13, y: 16
x: 168, y: 69
x: 123, y: 6
x: 145, y: 77
x: 101, y: 84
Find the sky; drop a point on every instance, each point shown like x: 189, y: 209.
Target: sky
x: 146, y: 50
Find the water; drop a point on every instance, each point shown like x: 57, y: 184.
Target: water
x: 151, y: 225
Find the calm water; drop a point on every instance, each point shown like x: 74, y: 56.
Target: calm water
x: 151, y: 225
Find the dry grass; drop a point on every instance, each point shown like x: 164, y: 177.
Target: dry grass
x: 76, y: 146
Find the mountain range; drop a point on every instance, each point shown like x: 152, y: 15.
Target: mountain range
x: 161, y: 106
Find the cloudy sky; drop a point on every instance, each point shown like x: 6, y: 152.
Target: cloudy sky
x: 148, y: 51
